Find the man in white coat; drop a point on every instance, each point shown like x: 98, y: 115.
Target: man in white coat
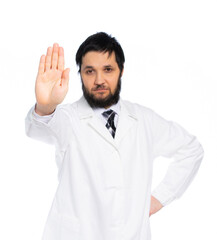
x: 105, y: 148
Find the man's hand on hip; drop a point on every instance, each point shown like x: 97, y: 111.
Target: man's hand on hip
x: 155, y: 206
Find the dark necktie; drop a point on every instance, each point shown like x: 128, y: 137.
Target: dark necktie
x: 110, y: 115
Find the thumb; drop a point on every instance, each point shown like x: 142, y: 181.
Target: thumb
x: 65, y: 77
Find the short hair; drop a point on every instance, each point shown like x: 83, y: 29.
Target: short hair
x: 101, y: 42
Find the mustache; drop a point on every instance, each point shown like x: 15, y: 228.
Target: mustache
x: 100, y: 87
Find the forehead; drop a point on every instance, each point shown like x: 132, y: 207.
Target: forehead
x: 98, y: 59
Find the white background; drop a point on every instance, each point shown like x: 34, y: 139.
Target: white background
x: 171, y: 57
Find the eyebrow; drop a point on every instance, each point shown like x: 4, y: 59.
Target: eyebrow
x: 86, y: 67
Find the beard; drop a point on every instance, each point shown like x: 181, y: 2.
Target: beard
x: 106, y: 102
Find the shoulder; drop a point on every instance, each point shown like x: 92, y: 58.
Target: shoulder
x: 143, y: 113
x: 136, y: 108
x: 66, y: 110
x: 68, y: 107
x: 77, y: 109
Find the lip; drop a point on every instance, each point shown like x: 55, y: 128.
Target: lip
x: 100, y: 90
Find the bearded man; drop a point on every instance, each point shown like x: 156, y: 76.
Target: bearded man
x: 105, y: 148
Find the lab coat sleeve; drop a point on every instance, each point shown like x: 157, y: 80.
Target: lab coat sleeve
x: 172, y: 141
x: 40, y: 128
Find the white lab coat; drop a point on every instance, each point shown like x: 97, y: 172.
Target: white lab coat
x: 104, y: 186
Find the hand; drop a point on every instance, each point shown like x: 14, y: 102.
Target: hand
x: 155, y: 206
x: 51, y: 84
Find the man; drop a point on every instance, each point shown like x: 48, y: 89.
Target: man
x: 105, y: 148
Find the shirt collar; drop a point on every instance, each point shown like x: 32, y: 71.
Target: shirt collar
x: 115, y: 107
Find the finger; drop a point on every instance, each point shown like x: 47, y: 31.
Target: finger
x: 61, y: 59
x: 54, y: 60
x: 65, y: 77
x: 41, y: 64
x: 48, y: 59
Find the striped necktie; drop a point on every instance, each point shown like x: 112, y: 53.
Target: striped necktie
x: 109, y: 116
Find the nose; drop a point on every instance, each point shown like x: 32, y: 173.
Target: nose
x: 99, y: 79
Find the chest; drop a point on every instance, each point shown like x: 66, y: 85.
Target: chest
x: 111, y: 162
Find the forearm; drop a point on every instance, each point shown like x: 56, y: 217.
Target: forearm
x: 39, y: 127
x: 180, y: 173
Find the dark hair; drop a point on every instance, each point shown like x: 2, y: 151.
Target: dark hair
x: 101, y: 42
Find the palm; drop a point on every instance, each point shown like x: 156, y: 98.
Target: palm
x: 48, y: 87
x: 52, y: 80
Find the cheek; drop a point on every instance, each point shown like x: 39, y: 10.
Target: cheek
x: 113, y: 85
x: 87, y: 83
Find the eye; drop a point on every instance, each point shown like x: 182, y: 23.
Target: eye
x: 108, y: 69
x: 90, y: 71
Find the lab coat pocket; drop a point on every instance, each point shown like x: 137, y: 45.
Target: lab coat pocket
x: 61, y: 227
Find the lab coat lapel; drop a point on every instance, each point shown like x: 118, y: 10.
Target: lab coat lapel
x: 86, y: 114
x: 127, y: 119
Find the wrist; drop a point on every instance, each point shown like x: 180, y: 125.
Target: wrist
x: 43, y: 110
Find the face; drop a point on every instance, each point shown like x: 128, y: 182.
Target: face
x: 101, y: 79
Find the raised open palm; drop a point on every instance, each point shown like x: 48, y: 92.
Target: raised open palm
x: 52, y: 80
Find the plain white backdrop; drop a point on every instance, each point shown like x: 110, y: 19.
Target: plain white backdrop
x: 171, y: 67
